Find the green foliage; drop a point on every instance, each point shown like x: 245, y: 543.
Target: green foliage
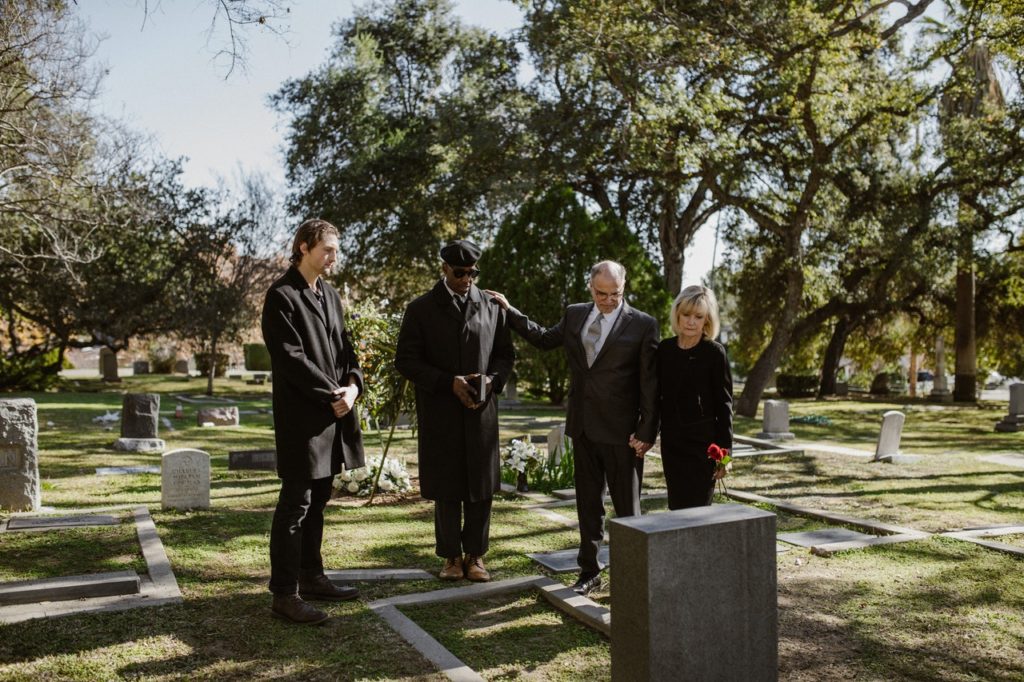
x: 796, y: 385
x: 203, y: 364
x: 257, y: 357
x: 33, y: 371
x: 162, y: 358
x: 404, y: 138
x: 541, y: 258
x: 386, y: 393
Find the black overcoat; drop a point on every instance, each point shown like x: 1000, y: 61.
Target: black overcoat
x: 458, y: 447
x: 310, y: 356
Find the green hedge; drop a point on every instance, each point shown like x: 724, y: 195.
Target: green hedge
x: 257, y: 357
x: 796, y: 385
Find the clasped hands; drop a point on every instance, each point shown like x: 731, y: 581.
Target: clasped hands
x: 467, y: 394
x: 639, y: 447
x: 343, y: 400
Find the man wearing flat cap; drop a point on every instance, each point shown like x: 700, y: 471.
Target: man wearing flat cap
x: 455, y: 347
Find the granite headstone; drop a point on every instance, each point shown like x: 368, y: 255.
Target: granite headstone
x: 776, y: 421
x: 218, y: 416
x: 19, y: 455
x: 889, y: 437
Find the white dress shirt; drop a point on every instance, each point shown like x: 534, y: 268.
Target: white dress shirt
x: 607, y: 322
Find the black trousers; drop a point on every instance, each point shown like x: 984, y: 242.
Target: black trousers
x: 461, y: 527
x: 689, y: 476
x: 597, y: 463
x: 297, y: 533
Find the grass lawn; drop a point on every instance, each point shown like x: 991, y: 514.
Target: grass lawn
x: 937, y: 609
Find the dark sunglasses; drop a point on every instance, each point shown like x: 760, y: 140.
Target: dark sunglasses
x: 459, y: 273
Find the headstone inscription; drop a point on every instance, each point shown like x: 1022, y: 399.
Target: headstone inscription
x: 19, y: 455
x: 185, y: 480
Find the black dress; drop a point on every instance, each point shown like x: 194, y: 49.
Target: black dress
x: 695, y: 400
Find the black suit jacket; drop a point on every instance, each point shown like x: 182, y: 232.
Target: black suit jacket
x: 618, y: 395
x: 311, y: 355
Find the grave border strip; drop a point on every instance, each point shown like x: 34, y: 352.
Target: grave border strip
x: 890, y: 533
x: 588, y: 612
x: 157, y: 588
x: 976, y: 536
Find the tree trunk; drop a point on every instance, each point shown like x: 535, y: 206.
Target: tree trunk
x: 833, y: 354
x: 213, y: 366
x: 966, y: 372
x: 768, y: 361
x: 671, y: 250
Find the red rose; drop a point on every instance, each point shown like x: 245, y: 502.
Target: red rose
x: 716, y: 453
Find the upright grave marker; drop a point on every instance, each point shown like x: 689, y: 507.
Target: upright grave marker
x: 888, y: 446
x: 185, y: 480
x: 776, y: 421
x: 1012, y: 422
x: 140, y: 423
x: 556, y: 443
x: 108, y: 365
x: 694, y: 595
x: 19, y: 455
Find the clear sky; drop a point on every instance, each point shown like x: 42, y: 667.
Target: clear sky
x: 164, y: 80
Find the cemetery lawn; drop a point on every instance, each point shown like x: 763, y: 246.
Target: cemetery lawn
x: 936, y: 609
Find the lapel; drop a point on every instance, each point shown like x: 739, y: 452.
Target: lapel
x: 473, y: 302
x: 576, y: 331
x: 621, y: 322
x: 444, y: 301
x: 308, y: 297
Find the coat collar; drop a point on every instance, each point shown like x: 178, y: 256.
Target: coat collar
x: 306, y: 291
x: 443, y: 299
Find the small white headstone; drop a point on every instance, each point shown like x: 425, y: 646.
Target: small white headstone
x: 556, y: 443
x: 185, y: 480
x: 889, y: 438
x: 776, y: 421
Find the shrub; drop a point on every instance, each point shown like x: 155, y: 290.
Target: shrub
x: 796, y: 385
x: 161, y: 359
x: 257, y: 357
x: 888, y: 383
x: 203, y: 364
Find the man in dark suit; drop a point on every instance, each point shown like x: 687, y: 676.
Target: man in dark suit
x: 455, y: 347
x: 316, y: 427
x: 612, y: 415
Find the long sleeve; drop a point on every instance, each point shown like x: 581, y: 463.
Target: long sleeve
x: 721, y: 383
x: 545, y: 338
x: 647, y: 427
x: 285, y: 344
x: 410, y: 352
x: 503, y: 356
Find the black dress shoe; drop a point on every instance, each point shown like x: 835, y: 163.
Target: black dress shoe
x: 321, y: 587
x: 587, y: 583
x: 291, y: 607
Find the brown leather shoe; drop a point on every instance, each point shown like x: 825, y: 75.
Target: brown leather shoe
x: 475, y: 570
x: 290, y: 607
x: 452, y: 569
x: 321, y: 587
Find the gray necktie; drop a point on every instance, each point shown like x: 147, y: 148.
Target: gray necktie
x: 590, y: 339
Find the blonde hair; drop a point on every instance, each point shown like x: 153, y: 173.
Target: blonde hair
x: 691, y: 298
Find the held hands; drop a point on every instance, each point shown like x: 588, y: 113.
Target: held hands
x: 344, y: 399
x: 466, y: 391
x: 639, y: 446
x: 499, y: 299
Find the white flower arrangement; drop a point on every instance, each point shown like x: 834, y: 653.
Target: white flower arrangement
x: 394, y: 478
x: 521, y: 456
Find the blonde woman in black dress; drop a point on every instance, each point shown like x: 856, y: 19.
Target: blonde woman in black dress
x: 695, y: 396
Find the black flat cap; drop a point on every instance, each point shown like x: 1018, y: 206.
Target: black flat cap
x: 461, y: 253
